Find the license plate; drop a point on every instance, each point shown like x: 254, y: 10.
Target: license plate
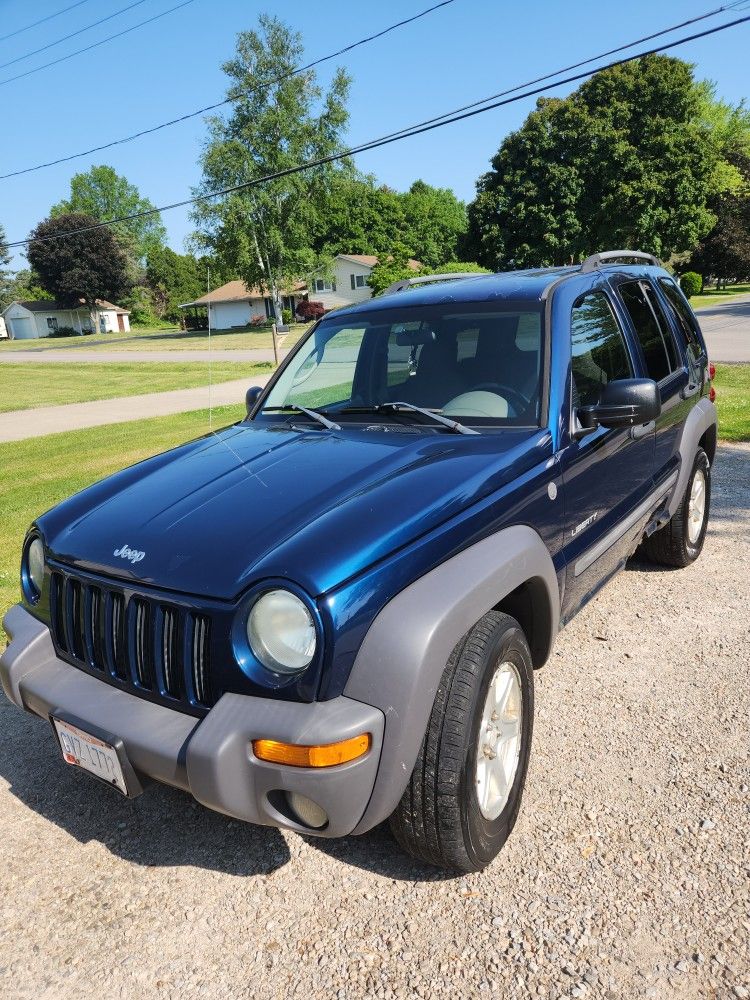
x: 92, y: 754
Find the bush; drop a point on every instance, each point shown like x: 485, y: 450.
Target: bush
x: 691, y: 283
x: 307, y: 310
x: 142, y: 315
x: 195, y: 322
x: 459, y: 267
x: 258, y: 320
x: 286, y: 316
x: 66, y: 331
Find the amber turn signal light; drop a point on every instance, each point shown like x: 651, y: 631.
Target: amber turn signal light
x: 326, y: 755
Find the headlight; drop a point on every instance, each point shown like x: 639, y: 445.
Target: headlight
x: 281, y: 632
x: 34, y: 566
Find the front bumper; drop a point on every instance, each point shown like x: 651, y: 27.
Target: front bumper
x: 212, y: 757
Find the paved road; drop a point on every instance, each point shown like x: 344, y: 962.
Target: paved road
x: 727, y: 330
x: 20, y: 424
x: 64, y: 355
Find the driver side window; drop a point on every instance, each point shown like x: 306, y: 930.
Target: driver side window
x: 599, y: 353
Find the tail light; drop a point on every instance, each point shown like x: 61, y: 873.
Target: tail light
x: 711, y: 377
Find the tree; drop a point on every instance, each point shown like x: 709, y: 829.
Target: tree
x: 79, y: 266
x: 16, y: 286
x: 627, y: 160
x: 527, y: 209
x: 4, y: 252
x: 172, y: 279
x: 20, y: 286
x: 104, y: 194
x: 435, y: 222
x: 391, y: 267
x: 725, y: 252
x: 5, y: 274
x: 358, y: 216
x: 266, y: 233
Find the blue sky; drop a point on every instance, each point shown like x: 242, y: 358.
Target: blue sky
x: 458, y: 54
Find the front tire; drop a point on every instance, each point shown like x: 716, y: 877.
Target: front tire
x: 680, y: 541
x: 464, y: 794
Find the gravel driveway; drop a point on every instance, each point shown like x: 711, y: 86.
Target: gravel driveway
x: 627, y: 876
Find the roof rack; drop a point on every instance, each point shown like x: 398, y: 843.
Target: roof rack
x: 399, y: 286
x: 612, y: 256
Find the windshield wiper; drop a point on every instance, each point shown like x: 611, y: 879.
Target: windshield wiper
x: 400, y: 407
x: 313, y: 414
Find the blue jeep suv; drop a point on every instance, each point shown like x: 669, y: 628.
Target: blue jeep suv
x: 330, y: 613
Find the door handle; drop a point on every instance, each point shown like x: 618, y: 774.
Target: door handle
x: 690, y: 390
x: 642, y: 430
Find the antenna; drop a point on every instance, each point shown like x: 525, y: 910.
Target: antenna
x: 210, y: 384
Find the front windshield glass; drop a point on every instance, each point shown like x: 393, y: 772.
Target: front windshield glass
x: 480, y: 364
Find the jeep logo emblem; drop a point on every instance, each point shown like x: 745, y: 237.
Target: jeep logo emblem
x: 133, y: 555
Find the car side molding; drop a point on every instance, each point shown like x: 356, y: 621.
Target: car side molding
x: 402, y: 658
x: 701, y: 417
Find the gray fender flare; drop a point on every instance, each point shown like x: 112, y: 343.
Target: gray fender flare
x: 700, y: 419
x: 400, y: 663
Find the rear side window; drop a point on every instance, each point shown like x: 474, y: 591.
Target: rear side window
x: 683, y: 316
x: 599, y: 353
x: 651, y: 327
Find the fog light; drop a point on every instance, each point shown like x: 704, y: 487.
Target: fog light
x: 308, y: 812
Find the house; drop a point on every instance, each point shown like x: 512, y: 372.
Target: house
x: 347, y: 285
x: 236, y: 305
x: 28, y: 320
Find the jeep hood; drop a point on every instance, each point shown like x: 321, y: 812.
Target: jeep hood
x: 249, y: 502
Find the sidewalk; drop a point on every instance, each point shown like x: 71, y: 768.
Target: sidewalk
x: 63, y: 356
x: 18, y: 425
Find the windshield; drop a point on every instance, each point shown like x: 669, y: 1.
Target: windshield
x: 480, y: 364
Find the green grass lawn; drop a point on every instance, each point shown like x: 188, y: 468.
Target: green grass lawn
x: 712, y: 297
x: 32, y: 385
x: 732, y: 385
x: 160, y: 340
x: 38, y: 473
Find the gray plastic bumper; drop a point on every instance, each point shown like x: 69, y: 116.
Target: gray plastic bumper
x: 212, y: 757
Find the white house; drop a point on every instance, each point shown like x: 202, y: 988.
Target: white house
x: 236, y: 305
x: 27, y: 320
x: 347, y: 285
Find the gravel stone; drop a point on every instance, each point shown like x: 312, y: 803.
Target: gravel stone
x: 160, y: 898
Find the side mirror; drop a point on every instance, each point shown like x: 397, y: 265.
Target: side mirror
x: 625, y: 402
x: 251, y: 398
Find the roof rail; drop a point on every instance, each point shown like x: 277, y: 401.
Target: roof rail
x: 399, y: 286
x: 612, y: 256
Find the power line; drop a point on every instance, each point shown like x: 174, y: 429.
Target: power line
x: 229, y: 100
x: 49, y: 17
x: 94, y: 45
x: 417, y: 129
x: 739, y: 4
x: 65, y: 38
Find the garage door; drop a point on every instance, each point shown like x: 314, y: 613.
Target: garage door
x: 22, y: 328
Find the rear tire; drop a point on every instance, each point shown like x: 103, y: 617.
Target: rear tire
x: 464, y: 794
x: 680, y: 541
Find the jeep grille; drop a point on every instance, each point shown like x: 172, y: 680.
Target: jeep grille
x: 151, y: 648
